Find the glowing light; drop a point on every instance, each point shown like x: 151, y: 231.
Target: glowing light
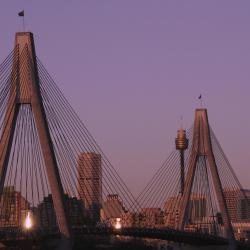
x: 118, y: 224
x: 28, y: 222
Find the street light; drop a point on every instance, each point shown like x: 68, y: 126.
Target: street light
x: 118, y: 224
x: 28, y: 222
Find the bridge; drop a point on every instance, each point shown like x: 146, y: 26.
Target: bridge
x: 56, y: 182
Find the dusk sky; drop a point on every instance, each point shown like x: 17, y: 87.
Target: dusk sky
x: 132, y: 68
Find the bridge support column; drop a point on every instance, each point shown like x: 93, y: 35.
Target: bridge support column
x: 25, y: 89
x: 202, y: 147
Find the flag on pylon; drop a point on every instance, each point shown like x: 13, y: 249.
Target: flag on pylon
x: 21, y: 13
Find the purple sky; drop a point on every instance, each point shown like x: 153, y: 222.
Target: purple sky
x: 132, y: 68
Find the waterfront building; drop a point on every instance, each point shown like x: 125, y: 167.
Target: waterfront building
x: 152, y: 217
x: 112, y: 208
x: 231, y: 197
x: 46, y: 217
x: 197, y: 209
x: 238, y: 204
x: 172, y: 211
x: 131, y: 219
x: 14, y: 208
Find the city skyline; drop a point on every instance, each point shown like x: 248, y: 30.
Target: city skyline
x: 137, y: 80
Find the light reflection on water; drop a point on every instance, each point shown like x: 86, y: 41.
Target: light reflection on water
x: 165, y: 245
x: 198, y: 248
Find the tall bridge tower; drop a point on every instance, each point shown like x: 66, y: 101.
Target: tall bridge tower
x: 202, y: 147
x: 25, y: 90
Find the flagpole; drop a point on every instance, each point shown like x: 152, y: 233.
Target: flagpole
x: 23, y: 24
x: 181, y: 121
x: 200, y: 98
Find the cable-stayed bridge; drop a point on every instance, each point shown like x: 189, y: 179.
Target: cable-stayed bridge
x: 55, y: 181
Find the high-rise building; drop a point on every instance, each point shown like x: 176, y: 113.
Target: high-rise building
x: 90, y: 183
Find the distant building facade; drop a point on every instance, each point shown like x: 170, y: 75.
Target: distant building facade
x: 45, y: 214
x: 244, y: 206
x: 197, y: 209
x: 238, y: 204
x: 131, y: 219
x: 14, y: 208
x: 46, y: 217
x: 152, y: 217
x: 90, y: 183
x: 172, y: 211
x: 112, y: 208
x: 231, y: 197
x: 146, y: 218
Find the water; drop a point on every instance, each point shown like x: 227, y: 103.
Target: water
x: 91, y: 242
x: 164, y: 245
x: 186, y: 247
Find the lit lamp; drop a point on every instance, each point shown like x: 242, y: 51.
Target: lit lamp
x: 28, y: 222
x: 118, y: 224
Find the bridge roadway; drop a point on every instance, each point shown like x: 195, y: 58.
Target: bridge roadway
x: 16, y: 237
x: 153, y: 233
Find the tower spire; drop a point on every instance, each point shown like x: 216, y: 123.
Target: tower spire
x: 181, y: 143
